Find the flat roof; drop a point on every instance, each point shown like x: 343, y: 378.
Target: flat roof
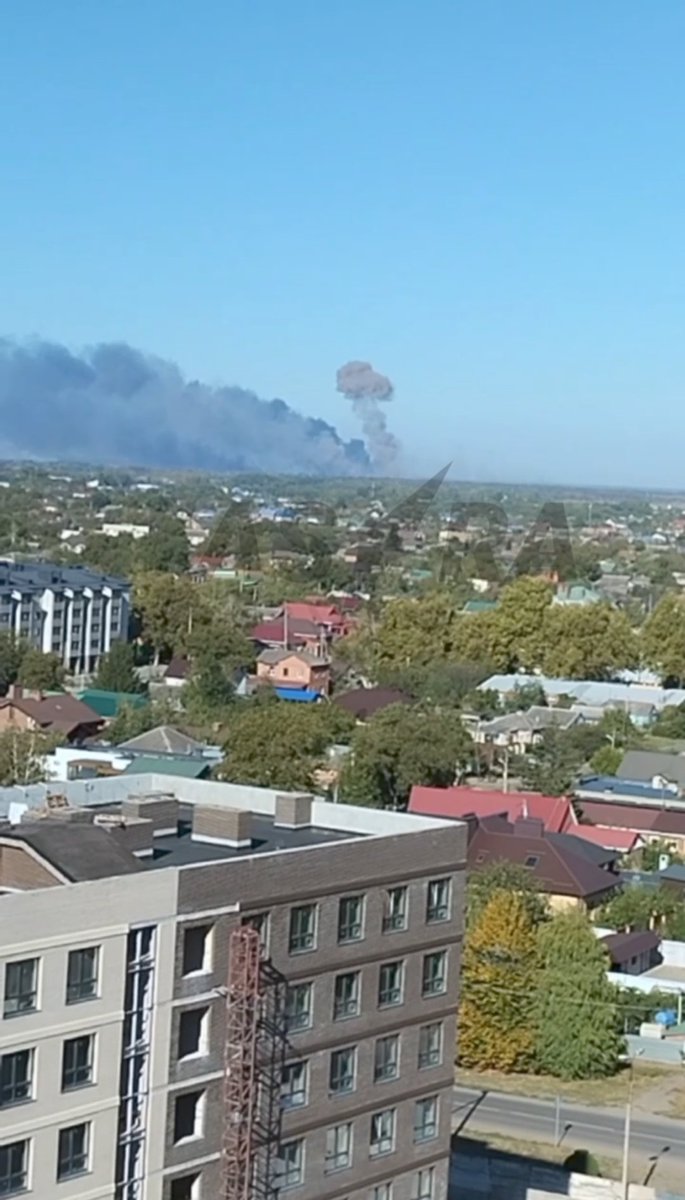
x: 182, y: 851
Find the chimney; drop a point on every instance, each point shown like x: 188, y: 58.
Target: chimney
x: 216, y: 826
x: 529, y: 827
x: 161, y: 809
x: 15, y: 691
x: 293, y: 812
x: 135, y: 833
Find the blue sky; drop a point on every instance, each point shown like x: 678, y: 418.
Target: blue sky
x: 483, y: 197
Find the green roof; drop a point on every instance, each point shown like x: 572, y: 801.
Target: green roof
x: 186, y: 768
x: 108, y: 704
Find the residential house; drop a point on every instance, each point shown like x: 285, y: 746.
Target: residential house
x: 654, y: 823
x: 60, y: 713
x: 633, y: 952
x: 660, y: 770
x: 177, y: 673
x: 569, y: 871
x: 295, y: 669
x: 108, y: 705
x: 302, y: 623
x: 520, y: 731
x: 364, y: 703
x: 641, y: 701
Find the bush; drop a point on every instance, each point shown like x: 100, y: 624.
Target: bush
x: 582, y: 1162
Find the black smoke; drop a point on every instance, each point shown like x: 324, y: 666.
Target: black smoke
x: 366, y: 389
x: 114, y: 404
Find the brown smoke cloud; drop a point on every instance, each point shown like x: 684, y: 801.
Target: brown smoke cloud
x: 366, y: 389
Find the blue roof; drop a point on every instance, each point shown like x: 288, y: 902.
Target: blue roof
x: 303, y: 695
x: 610, y: 785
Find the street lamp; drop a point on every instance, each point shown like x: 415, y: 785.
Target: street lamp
x: 625, y: 1184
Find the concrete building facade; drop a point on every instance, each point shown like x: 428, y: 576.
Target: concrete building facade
x: 74, y: 612
x: 118, y: 908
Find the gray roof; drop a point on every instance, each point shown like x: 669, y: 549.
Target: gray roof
x: 536, y: 718
x: 79, y: 851
x: 36, y: 576
x: 165, y: 739
x: 644, y: 765
x: 589, y: 691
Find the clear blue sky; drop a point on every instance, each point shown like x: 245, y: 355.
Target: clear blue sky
x: 484, y: 197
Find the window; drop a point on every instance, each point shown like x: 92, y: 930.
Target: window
x: 424, y: 1184
x: 338, y: 1148
x: 14, y: 1168
x: 188, y: 1115
x: 434, y: 974
x: 73, y: 1151
x: 298, y: 1006
x: 351, y: 919
x: 21, y: 987
x: 382, y: 1192
x: 390, y: 984
x: 346, y: 996
x: 260, y: 922
x: 531, y: 861
x: 77, y: 1062
x: 430, y: 1045
x: 438, y: 902
x: 193, y: 1032
x: 187, y: 1187
x: 82, y: 974
x: 386, y: 1059
x: 395, y: 915
x: 197, y: 949
x: 426, y: 1119
x: 291, y: 1164
x: 16, y: 1077
x: 382, y: 1133
x: 342, y: 1071
x: 294, y: 1085
x: 302, y: 929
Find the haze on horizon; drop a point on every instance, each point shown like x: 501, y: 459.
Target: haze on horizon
x: 484, y: 200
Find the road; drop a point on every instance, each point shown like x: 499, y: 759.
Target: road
x: 598, y: 1129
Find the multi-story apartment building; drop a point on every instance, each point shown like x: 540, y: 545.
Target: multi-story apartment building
x: 117, y: 948
x: 74, y: 612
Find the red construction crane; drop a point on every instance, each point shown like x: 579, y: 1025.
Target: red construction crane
x: 241, y: 1090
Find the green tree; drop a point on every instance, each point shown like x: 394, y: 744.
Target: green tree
x: 278, y: 744
x: 114, y: 555
x: 663, y: 639
x: 132, y: 720
x: 116, y: 670
x: 575, y: 1011
x: 399, y: 747
x: 606, y: 760
x: 209, y: 690
x: 165, y: 548
x: 590, y: 641
x: 653, y: 851
x: 520, y: 619
x: 504, y: 876
x: 416, y: 631
x: 671, y: 722
x: 21, y: 756
x: 551, y: 766
x: 11, y: 653
x: 496, y: 1029
x: 41, y: 672
x: 526, y: 696
x: 164, y: 606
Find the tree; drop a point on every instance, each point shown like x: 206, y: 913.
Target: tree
x: 671, y: 722
x: 526, y: 696
x: 498, y: 985
x: 21, y: 756
x: 663, y: 639
x: 653, y: 852
x: 132, y: 720
x: 11, y: 653
x: 399, y: 747
x: 165, y: 548
x: 520, y: 620
x: 575, y: 1011
x: 606, y: 760
x: 551, y: 766
x: 618, y: 728
x: 590, y: 641
x: 582, y: 1162
x: 508, y: 877
x: 164, y: 605
x: 116, y: 671
x: 41, y: 672
x: 209, y: 690
x: 416, y: 631
x: 278, y: 744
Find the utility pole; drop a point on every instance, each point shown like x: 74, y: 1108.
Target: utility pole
x: 625, y: 1174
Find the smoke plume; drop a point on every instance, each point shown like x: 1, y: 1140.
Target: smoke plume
x: 366, y: 389
x: 114, y: 404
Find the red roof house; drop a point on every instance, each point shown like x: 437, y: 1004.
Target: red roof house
x: 555, y: 812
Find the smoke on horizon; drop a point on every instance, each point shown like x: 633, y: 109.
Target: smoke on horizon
x: 367, y: 389
x: 114, y: 404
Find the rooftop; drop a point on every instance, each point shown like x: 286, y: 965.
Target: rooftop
x: 36, y: 576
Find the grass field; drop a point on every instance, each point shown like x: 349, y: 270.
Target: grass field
x: 613, y: 1091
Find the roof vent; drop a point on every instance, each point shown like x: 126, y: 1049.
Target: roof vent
x: 161, y: 808
x: 135, y: 833
x: 216, y: 826
x: 293, y: 812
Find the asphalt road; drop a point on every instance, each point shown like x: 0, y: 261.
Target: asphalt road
x: 598, y: 1129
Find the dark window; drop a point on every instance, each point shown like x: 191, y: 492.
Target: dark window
x: 531, y: 860
x: 192, y: 1032
x: 438, y: 901
x: 351, y: 919
x: 395, y: 915
x: 14, y: 1168
x: 290, y: 1164
x: 186, y: 1188
x: 342, y: 1071
x: 299, y: 1006
x: 188, y: 1113
x: 386, y: 1059
x: 434, y: 974
x: 346, y: 996
x: 302, y: 928
x: 260, y: 922
x: 21, y: 987
x: 390, y: 984
x: 430, y: 1045
x: 72, y: 1154
x: 77, y: 1062
x: 82, y: 974
x: 196, y: 949
x: 16, y: 1077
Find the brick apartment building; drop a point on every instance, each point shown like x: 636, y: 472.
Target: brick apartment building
x: 120, y: 904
